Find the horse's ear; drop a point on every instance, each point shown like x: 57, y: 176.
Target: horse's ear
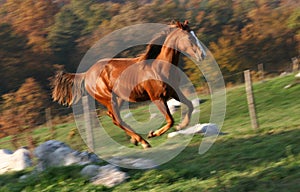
x: 186, y: 26
x: 179, y: 25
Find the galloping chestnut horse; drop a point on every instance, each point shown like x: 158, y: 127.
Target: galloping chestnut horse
x: 150, y: 76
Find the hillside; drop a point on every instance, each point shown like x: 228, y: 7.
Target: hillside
x: 267, y: 159
x: 40, y: 37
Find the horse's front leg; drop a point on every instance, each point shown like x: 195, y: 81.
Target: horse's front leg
x: 163, y: 107
x: 179, y: 96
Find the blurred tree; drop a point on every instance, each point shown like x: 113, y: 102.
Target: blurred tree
x: 293, y: 23
x: 9, y: 124
x: 63, y: 36
x: 217, y: 15
x: 31, y: 101
x: 248, y: 32
x: 226, y: 56
x: 14, y: 55
x: 32, y: 18
x: 91, y: 12
x: 18, y: 60
x: 266, y: 38
x: 23, y: 110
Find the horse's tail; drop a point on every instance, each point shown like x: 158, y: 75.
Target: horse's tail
x: 67, y: 88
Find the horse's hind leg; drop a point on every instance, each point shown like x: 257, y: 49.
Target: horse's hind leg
x: 110, y: 114
x: 114, y: 111
x: 179, y: 96
x: 132, y: 139
x: 163, y: 107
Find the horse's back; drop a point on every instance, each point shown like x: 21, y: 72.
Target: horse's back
x: 102, y: 76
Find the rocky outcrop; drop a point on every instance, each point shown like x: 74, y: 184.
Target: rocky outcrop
x: 108, y: 175
x: 14, y: 161
x: 56, y: 153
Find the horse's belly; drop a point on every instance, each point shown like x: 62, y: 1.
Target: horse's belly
x: 131, y: 94
x: 149, y: 90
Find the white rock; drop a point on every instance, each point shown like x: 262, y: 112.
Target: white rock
x: 288, y: 86
x: 109, y: 176
x: 20, y: 159
x: 61, y: 156
x: 196, y: 102
x: 208, y: 129
x: 17, y: 161
x: 5, y: 152
x: 90, y: 171
x: 173, y: 134
x: 43, y: 150
x: 71, y: 158
x: 173, y: 105
x: 173, y: 102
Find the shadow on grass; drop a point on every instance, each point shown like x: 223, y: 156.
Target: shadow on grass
x: 278, y: 178
x: 259, y: 162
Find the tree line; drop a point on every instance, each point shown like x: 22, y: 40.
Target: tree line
x: 39, y: 35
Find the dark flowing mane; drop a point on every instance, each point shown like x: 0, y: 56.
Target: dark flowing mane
x: 154, y: 46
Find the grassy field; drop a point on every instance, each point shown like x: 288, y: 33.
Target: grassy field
x: 267, y: 159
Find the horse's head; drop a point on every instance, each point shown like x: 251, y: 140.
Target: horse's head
x: 186, y: 41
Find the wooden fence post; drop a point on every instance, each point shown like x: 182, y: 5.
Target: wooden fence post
x: 295, y: 63
x: 49, y: 122
x: 261, y: 71
x: 250, y: 99
x: 88, y: 123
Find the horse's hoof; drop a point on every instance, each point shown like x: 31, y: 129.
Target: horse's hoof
x: 134, y: 141
x: 146, y: 146
x: 178, y: 127
x: 151, y: 134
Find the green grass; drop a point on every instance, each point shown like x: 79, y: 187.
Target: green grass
x: 267, y: 159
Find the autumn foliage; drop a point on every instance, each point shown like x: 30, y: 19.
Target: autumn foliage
x: 24, y: 109
x: 36, y: 35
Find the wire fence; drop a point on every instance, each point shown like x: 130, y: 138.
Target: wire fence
x: 60, y: 124
x: 56, y: 126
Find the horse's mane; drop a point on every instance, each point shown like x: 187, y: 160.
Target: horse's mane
x: 154, y: 46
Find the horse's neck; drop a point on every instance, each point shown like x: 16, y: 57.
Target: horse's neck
x: 169, y: 55
x: 168, y: 52
x: 164, y: 63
